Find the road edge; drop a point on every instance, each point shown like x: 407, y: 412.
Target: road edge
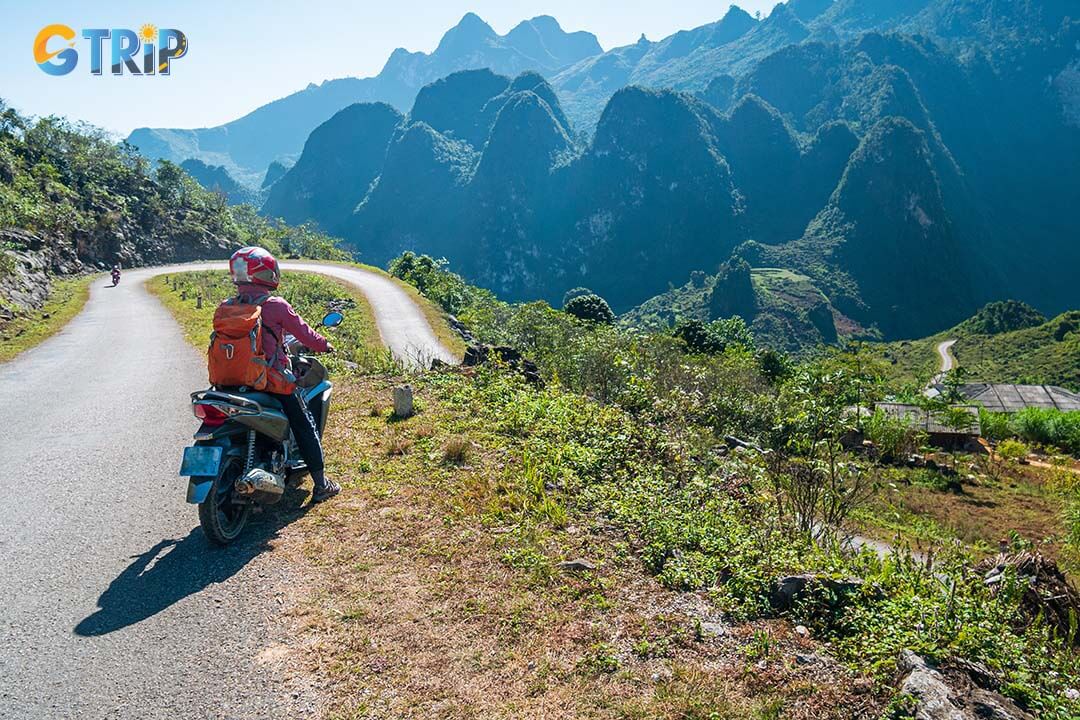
x: 56, y: 314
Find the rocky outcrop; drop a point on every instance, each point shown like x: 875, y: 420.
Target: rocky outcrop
x: 956, y: 695
x: 26, y: 265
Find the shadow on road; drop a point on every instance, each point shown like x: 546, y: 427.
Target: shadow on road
x: 175, y: 568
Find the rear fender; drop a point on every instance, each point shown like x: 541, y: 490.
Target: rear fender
x: 199, y: 485
x: 198, y: 488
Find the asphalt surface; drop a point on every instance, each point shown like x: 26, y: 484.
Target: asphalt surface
x: 112, y: 603
x: 402, y: 325
x: 943, y: 350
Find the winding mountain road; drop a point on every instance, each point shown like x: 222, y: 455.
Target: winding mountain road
x: 948, y: 362
x: 944, y: 350
x: 112, y: 604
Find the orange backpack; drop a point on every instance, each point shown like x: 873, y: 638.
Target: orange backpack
x: 236, y: 354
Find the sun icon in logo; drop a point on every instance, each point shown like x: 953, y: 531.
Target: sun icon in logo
x: 148, y: 33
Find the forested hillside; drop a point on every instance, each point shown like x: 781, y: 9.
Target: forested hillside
x: 72, y: 200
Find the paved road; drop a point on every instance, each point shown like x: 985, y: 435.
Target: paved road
x: 403, y: 327
x: 948, y: 362
x: 112, y: 604
x: 944, y: 350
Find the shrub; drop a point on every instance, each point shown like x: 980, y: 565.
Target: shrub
x: 1047, y: 426
x: 715, y: 337
x: 995, y: 425
x: 1012, y: 450
x: 894, y: 438
x: 575, y: 293
x: 456, y: 449
x: 592, y: 308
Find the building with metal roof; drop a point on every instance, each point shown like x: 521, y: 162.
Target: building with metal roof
x: 930, y: 422
x: 1013, y: 398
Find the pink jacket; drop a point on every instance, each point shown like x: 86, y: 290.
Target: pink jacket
x: 279, y: 317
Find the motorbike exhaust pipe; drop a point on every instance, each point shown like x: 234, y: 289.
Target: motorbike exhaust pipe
x: 264, y: 487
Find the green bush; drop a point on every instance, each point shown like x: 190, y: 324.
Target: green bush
x: 894, y: 438
x: 994, y: 425
x: 715, y: 337
x: 575, y: 293
x: 1048, y: 426
x: 590, y: 307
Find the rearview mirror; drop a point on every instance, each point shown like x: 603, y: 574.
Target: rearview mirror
x: 332, y: 319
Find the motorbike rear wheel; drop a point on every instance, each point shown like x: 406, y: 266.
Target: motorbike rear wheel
x: 221, y: 519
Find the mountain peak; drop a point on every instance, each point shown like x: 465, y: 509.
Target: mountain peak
x: 471, y: 22
x: 464, y: 37
x: 736, y: 13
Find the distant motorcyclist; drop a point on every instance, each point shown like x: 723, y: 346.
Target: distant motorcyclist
x: 116, y: 274
x: 255, y: 273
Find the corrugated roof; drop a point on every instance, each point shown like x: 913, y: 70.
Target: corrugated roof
x: 1012, y: 398
x: 925, y: 420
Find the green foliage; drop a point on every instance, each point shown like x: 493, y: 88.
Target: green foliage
x: 59, y: 178
x: 431, y: 278
x: 715, y: 337
x: 575, y: 293
x: 994, y: 425
x: 894, y: 438
x: 590, y: 307
x: 1049, y: 427
x: 1012, y: 450
x: 1002, y: 316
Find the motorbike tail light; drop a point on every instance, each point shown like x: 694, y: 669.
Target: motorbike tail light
x: 210, y: 415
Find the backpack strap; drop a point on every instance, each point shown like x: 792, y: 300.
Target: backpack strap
x: 258, y: 300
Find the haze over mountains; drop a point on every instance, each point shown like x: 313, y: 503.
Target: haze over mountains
x: 901, y: 162
x: 277, y: 131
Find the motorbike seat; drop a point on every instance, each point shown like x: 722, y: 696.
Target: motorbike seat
x: 265, y: 399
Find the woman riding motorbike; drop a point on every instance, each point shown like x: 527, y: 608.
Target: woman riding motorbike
x: 255, y: 273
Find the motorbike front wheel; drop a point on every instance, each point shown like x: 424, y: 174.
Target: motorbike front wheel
x: 222, y: 520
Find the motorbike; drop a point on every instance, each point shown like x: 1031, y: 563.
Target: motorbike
x: 244, y: 455
x: 115, y: 278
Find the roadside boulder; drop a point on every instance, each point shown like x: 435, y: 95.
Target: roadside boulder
x: 789, y: 591
x: 955, y: 696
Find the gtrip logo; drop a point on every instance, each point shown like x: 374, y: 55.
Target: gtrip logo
x: 146, y: 52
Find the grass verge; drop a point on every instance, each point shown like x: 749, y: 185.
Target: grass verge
x: 437, y: 589
x: 66, y: 299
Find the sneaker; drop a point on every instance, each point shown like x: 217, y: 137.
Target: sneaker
x: 325, y: 491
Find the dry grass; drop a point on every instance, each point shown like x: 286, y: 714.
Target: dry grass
x: 418, y: 608
x: 456, y: 449
x: 995, y: 502
x: 397, y: 442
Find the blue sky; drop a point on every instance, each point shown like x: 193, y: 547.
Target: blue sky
x: 244, y: 54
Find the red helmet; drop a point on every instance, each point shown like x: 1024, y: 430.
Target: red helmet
x: 256, y: 266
